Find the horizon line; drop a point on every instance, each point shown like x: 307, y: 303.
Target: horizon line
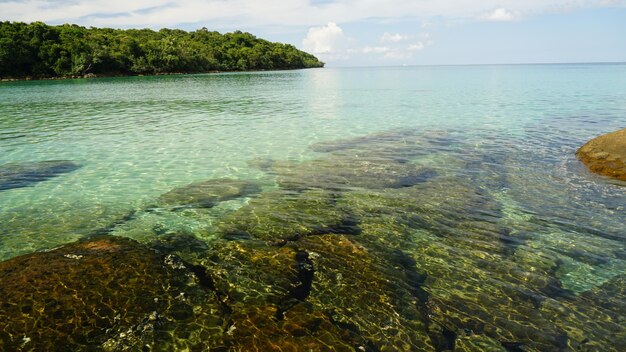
x: 487, y: 64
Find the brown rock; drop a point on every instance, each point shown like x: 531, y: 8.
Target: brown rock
x: 606, y: 155
x: 106, y: 293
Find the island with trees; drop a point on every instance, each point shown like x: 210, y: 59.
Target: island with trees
x: 38, y: 50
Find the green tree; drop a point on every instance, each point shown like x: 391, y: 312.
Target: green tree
x: 39, y: 50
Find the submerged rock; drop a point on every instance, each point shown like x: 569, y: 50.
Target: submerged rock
x: 595, y: 320
x: 395, y: 144
x: 256, y: 328
x: 450, y: 208
x: 26, y: 174
x: 321, y: 293
x: 183, y: 245
x: 483, y: 305
x: 207, y: 194
x: 343, y: 173
x: 606, y: 154
x: 35, y: 227
x: 476, y: 343
x: 589, y: 327
x: 281, y: 215
x: 107, y: 293
x: 519, y: 303
x: 251, y: 272
x: 365, y: 294
x: 611, y: 295
x: 367, y: 141
x: 260, y: 284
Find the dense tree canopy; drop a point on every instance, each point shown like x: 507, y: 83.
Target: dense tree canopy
x: 39, y: 50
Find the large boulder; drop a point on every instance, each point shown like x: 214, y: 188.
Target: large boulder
x: 606, y: 155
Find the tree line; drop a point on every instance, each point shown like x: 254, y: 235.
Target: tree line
x: 39, y: 50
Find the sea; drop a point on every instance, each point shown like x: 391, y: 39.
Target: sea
x: 455, y: 185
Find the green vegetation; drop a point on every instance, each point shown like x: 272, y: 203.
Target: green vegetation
x: 40, y: 51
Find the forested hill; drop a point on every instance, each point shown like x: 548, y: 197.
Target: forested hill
x: 38, y: 50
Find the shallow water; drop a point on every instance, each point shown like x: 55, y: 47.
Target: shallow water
x: 517, y: 242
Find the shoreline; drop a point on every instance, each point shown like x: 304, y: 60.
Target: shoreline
x: 91, y: 75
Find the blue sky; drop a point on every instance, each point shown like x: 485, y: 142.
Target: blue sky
x: 375, y: 32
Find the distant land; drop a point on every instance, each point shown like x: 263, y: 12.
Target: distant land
x: 38, y: 50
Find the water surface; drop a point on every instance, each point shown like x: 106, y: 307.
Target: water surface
x: 497, y: 205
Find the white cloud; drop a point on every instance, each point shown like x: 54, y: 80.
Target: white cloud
x: 375, y: 49
x: 323, y: 40
x: 397, y: 55
x: 427, y: 40
x: 416, y: 47
x: 327, y: 42
x: 396, y: 48
x: 393, y: 38
x: 501, y: 15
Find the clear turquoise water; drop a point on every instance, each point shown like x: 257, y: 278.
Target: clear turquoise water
x: 515, y: 128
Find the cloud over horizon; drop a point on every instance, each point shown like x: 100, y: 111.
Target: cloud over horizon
x: 501, y: 15
x: 393, y: 38
x: 325, y: 42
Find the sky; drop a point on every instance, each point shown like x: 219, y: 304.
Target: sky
x: 375, y: 32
